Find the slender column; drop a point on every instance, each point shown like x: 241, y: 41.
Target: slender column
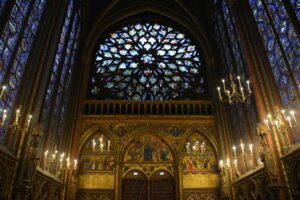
x: 179, y: 185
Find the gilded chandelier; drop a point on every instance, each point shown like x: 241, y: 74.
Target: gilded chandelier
x: 235, y: 93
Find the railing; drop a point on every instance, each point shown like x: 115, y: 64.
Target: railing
x: 116, y: 107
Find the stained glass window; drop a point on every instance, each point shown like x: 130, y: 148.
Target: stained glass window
x: 147, y: 61
x: 63, y: 93
x: 281, y: 44
x: 2, y: 5
x: 296, y: 6
x: 58, y: 91
x: 17, y: 36
x: 55, y: 69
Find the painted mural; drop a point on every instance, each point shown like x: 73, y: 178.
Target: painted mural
x: 149, y: 149
x: 198, y: 155
x: 97, y: 155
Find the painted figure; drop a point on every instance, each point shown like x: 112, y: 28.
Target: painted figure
x: 148, y: 150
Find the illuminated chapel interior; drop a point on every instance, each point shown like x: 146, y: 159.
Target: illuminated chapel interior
x: 149, y: 100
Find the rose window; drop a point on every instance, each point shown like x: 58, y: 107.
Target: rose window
x: 147, y: 62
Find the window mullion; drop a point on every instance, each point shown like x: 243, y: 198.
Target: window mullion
x: 229, y: 45
x: 223, y: 48
x: 61, y: 62
x: 67, y: 75
x: 285, y: 59
x: 244, y: 68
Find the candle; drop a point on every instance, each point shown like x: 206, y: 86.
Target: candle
x: 221, y: 164
x: 234, y: 150
x: 283, y: 113
x: 29, y: 120
x: 219, y: 92
x: 293, y: 115
x: 3, y: 88
x: 239, y: 80
x: 251, y: 149
x: 235, y: 163
x: 242, y: 91
x: 289, y: 120
x: 17, y: 115
x: 228, y: 162
x: 203, y: 147
x: 242, y: 147
x: 46, y: 154
x: 248, y: 86
x: 94, y: 145
x: 53, y: 157
x: 101, y: 147
x: 194, y: 149
x: 187, y: 147
x: 62, y: 155
x: 224, y: 87
x: 108, y: 145
x: 4, y: 117
x: 267, y: 123
x: 68, y: 162
x: 75, y: 164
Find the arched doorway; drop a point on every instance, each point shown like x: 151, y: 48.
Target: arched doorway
x: 162, y: 186
x: 159, y: 186
x: 135, y: 186
x: 148, y: 170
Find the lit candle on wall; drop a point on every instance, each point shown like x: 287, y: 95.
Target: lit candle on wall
x: 219, y: 92
x: 108, y: 145
x: 267, y: 123
x: 234, y: 150
x: 194, y: 149
x: 29, y: 120
x: 68, y: 163
x: 289, y: 120
x: 3, y: 88
x: 221, y: 164
x: 235, y: 163
x: 94, y: 145
x: 101, y: 147
x: 4, y: 117
x: 251, y: 149
x: 293, y: 115
x: 203, y: 147
x: 53, y: 157
x: 46, y: 154
x: 187, y: 146
x: 17, y: 115
x: 75, y: 164
x: 248, y: 86
x: 242, y: 147
x: 228, y: 162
